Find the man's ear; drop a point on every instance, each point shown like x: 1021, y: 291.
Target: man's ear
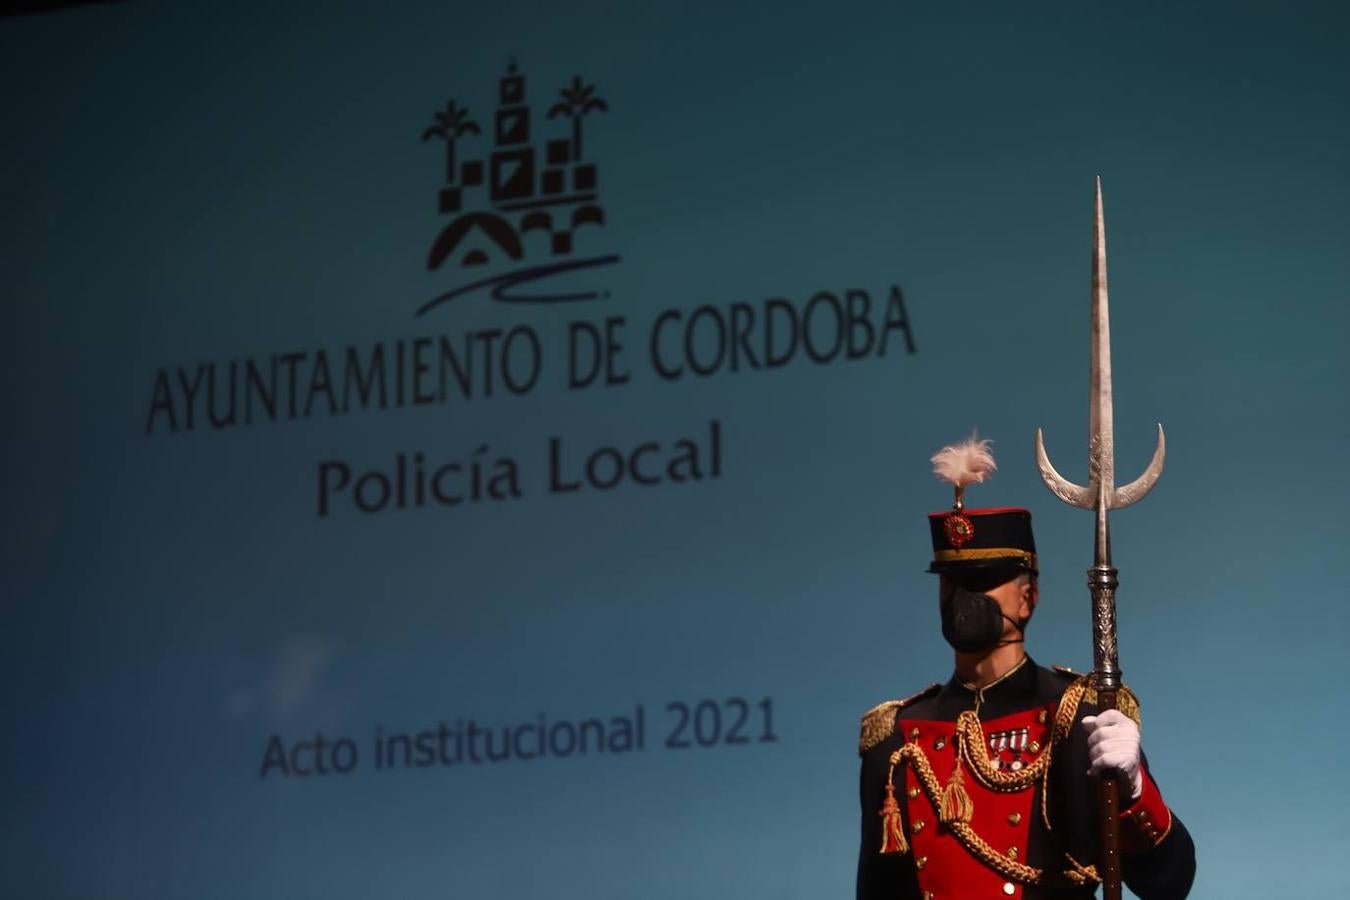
x: 1030, y: 594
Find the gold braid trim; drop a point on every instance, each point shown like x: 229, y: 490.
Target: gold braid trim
x: 1008, y: 868
x: 973, y: 750
x: 975, y: 845
x: 971, y: 746
x: 1079, y: 873
x: 1065, y: 713
x: 1045, y: 804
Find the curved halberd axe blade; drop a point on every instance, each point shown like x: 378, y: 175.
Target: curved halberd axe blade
x: 1101, y: 429
x: 1086, y: 497
x: 1135, y: 490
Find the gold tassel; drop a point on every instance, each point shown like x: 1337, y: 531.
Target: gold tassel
x: 956, y: 805
x: 892, y: 829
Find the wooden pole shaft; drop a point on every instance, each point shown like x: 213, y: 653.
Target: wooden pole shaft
x: 1108, y: 862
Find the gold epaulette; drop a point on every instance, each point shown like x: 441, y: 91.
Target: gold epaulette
x: 879, y: 722
x: 1082, y: 691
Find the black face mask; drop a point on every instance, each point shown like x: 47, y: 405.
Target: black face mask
x: 973, y: 623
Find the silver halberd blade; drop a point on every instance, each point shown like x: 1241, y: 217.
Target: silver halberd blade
x: 1101, y: 430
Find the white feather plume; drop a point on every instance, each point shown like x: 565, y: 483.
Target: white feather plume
x: 969, y: 462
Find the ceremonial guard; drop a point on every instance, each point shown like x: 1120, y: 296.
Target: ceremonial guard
x: 986, y: 786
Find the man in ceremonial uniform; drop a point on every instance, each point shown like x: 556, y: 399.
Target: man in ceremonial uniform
x: 986, y: 786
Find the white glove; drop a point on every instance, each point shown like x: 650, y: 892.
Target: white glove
x: 1113, y: 744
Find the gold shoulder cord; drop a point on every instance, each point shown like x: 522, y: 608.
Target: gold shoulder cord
x: 956, y: 814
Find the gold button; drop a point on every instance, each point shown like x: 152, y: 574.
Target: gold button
x: 939, y: 743
x: 917, y: 826
x: 1034, y: 746
x: 1009, y: 888
x: 1014, y: 819
x: 1012, y: 853
x: 927, y: 895
x: 913, y: 792
x: 914, y: 734
x: 1042, y: 717
x: 920, y: 862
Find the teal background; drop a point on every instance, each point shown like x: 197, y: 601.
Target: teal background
x: 186, y: 183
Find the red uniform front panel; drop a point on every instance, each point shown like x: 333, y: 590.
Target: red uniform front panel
x: 946, y: 868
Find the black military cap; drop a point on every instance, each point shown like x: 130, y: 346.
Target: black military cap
x: 969, y: 539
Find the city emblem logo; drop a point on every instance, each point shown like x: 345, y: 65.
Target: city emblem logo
x: 527, y: 203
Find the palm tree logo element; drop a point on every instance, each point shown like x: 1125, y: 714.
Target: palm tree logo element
x: 578, y: 100
x: 450, y: 125
x: 523, y: 199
